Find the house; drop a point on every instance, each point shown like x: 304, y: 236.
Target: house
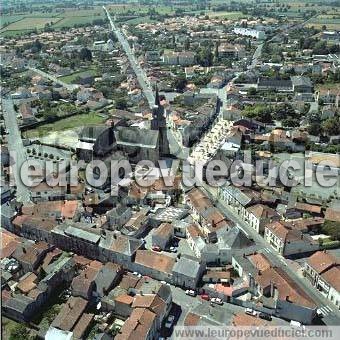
x: 156, y: 265
x: 274, y: 84
x: 288, y: 241
x: 154, y: 303
x: 231, y: 51
x: 70, y: 314
x: 258, y: 215
x: 291, y: 302
x: 27, y: 114
x: 332, y: 213
x: 239, y: 198
x: 163, y: 235
x: 123, y: 305
x: 205, y: 213
x: 84, y: 285
x: 137, y: 224
x: 322, y: 269
x: 120, y: 249
x: 107, y: 277
x: 187, y: 271
x: 179, y: 58
x: 30, y: 257
x: 118, y: 216
x: 302, y: 84
x: 141, y: 324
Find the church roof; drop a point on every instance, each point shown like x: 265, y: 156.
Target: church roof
x: 135, y: 136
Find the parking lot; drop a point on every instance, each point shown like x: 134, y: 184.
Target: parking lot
x: 211, y: 142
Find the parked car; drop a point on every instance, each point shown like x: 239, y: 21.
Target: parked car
x: 165, y: 283
x: 218, y: 301
x: 156, y: 248
x: 137, y: 274
x: 190, y: 292
x: 205, y: 297
x: 265, y: 316
x: 169, y: 321
x: 250, y: 311
x: 173, y: 249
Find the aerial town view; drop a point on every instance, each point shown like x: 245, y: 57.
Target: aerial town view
x: 170, y: 169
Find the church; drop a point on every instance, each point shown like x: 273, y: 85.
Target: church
x: 135, y: 142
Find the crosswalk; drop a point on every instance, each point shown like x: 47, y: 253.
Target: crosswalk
x: 325, y: 310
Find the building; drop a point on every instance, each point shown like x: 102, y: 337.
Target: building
x: 187, y: 271
x: 258, y: 215
x: 322, y: 269
x: 288, y: 241
x: 179, y: 58
x: 248, y: 32
x: 162, y: 236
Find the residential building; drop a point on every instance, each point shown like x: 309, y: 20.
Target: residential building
x: 322, y: 269
x: 288, y: 241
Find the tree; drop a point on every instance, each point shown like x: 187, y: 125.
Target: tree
x: 19, y: 332
x: 258, y: 112
x: 121, y: 104
x: 179, y: 83
x: 85, y: 54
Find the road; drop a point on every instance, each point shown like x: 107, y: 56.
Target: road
x: 69, y: 87
x: 278, y: 260
x: 175, y: 148
x: 16, y: 149
x: 140, y: 74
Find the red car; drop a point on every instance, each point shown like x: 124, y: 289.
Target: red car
x: 156, y: 248
x: 205, y: 297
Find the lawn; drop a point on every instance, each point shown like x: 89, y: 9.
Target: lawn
x: 71, y: 21
x: 227, y: 15
x: 30, y: 23
x: 71, y: 78
x: 64, y: 124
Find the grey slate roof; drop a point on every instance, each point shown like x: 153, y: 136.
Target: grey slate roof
x: 301, y: 81
x: 238, y: 195
x: 187, y: 266
x: 134, y: 136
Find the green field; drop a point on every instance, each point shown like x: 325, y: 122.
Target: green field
x: 69, y: 79
x: 23, y: 23
x: 31, y: 23
x: 64, y: 124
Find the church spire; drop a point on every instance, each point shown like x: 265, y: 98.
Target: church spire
x: 157, y: 100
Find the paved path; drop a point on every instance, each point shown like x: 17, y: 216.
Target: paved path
x: 69, y: 87
x: 16, y: 149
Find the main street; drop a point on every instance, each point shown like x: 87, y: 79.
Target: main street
x: 145, y: 85
x: 16, y: 149
x: 140, y: 74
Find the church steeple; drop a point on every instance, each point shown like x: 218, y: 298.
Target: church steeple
x: 157, y: 100
x: 158, y: 122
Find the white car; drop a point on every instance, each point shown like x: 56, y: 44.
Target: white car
x: 169, y: 321
x: 190, y: 292
x: 218, y: 301
x: 173, y: 249
x: 250, y: 311
x: 137, y: 274
x: 165, y: 283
